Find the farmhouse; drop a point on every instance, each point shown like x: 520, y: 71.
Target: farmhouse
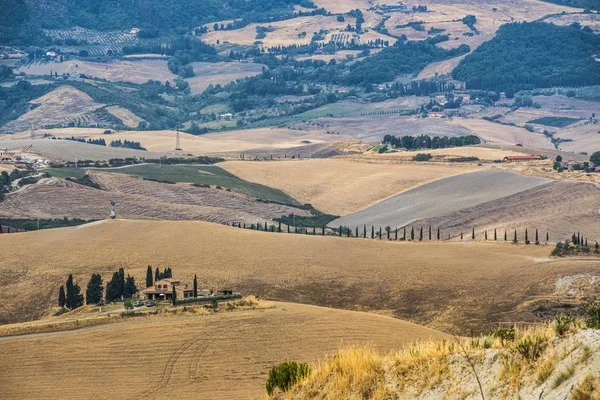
x: 163, y: 290
x: 226, y: 116
x: 51, y: 54
x: 521, y: 158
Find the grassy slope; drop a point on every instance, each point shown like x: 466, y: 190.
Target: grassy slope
x: 443, y: 285
x: 151, y: 358
x: 201, y: 175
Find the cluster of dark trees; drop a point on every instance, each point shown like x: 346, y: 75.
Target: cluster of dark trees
x: 99, y: 142
x: 14, y: 100
x: 577, y: 245
x: 531, y: 55
x: 7, y: 179
x: 127, y: 144
x: 587, y: 4
x: 428, y: 142
x: 72, y: 297
x: 43, y: 223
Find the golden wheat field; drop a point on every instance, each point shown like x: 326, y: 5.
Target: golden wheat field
x: 339, y: 186
x: 444, y: 285
x: 223, y: 356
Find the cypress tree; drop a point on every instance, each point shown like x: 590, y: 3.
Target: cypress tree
x: 404, y: 234
x: 473, y: 234
x: 547, y: 236
x: 174, y: 296
x: 396, y: 234
x: 537, y: 239
x: 429, y: 232
x: 357, y: 231
x: 380, y: 236
x: 578, y: 238
x: 70, y: 300
x: 113, y: 292
x: 372, y: 232
x: 365, y: 231
x: 314, y: 230
x: 122, y: 279
x: 195, y: 286
x: 129, y: 289
x: 515, y: 239
x: 323, y: 231
x: 526, y: 237
x: 495, y: 235
x: 93, y: 294
x: 61, y: 296
x: 279, y: 228
x: 295, y: 229
x: 438, y: 233
x: 149, y: 276
x: 485, y: 235
x: 340, y: 231
x: 586, y: 244
x: 157, y: 275
x: 266, y: 228
x: 505, y: 236
x: 461, y: 236
x: 412, y: 233
x: 288, y: 228
x: 421, y: 235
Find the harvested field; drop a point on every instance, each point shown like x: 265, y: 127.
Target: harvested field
x: 482, y: 153
x: 220, y: 73
x: 115, y: 71
x: 494, y: 133
x: 560, y: 207
x: 62, y: 105
x: 137, y: 199
x: 129, y: 119
x: 441, y: 197
x: 585, y: 137
x: 337, y: 186
x: 591, y: 20
x: 373, y: 128
x: 69, y: 150
x: 408, y: 280
x: 351, y: 108
x: 192, y: 354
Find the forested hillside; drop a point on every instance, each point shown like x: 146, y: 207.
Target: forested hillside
x: 532, y: 55
x: 21, y: 20
x: 590, y: 4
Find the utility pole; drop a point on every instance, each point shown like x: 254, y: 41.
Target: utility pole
x: 177, y: 145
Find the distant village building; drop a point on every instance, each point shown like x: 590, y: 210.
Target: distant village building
x: 521, y: 158
x: 134, y: 31
x: 226, y: 116
x: 342, y: 90
x: 51, y: 54
x: 163, y: 290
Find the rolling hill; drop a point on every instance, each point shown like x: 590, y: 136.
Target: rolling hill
x: 449, y: 285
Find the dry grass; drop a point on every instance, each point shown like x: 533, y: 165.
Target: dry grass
x: 494, y: 133
x: 129, y: 119
x: 401, y: 279
x: 338, y: 186
x: 483, y: 153
x: 189, y: 354
x: 424, y: 370
x: 60, y: 106
x: 220, y: 73
x: 121, y: 70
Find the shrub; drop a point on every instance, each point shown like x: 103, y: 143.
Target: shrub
x: 422, y: 157
x: 593, y: 312
x: 530, y: 347
x: 286, y: 375
x: 561, y: 324
x: 563, y: 376
x: 128, y: 304
x: 506, y: 335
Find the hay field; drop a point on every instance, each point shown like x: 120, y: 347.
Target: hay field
x: 351, y: 108
x: 60, y: 106
x: 441, y: 197
x: 446, y: 285
x: 483, y: 153
x: 585, y: 138
x: 69, y: 150
x: 138, y: 199
x: 220, y: 73
x: 561, y: 208
x: 223, y: 356
x: 591, y: 20
x: 129, y: 119
x: 338, y: 186
x: 493, y: 133
x: 115, y: 71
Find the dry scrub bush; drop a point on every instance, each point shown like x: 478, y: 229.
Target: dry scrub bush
x: 587, y: 389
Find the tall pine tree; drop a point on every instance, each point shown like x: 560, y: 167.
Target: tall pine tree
x: 93, y: 293
x: 61, y: 296
x: 195, y: 286
x: 149, y: 281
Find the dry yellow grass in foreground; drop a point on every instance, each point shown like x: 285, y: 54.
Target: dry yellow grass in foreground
x: 222, y: 356
x: 338, y: 186
x: 447, y: 285
x: 533, y: 363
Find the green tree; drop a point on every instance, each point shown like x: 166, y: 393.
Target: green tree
x: 380, y: 237
x: 61, y: 296
x: 128, y: 304
x: 93, y: 293
x: 473, y: 234
x: 485, y: 235
x: 495, y: 234
x: 526, y: 236
x: 505, y: 236
x: 412, y: 233
x: 174, y: 296
x: 438, y: 233
x: 113, y: 290
x: 595, y: 158
x: 547, y: 237
x: 537, y: 238
x: 429, y: 232
x: 461, y: 236
x: 129, y: 288
x: 365, y: 231
x: 388, y: 229
x: 372, y: 232
x: 195, y: 286
x: 421, y: 235
x: 149, y: 281
x: 157, y: 276
x: 70, y: 299
x: 515, y: 239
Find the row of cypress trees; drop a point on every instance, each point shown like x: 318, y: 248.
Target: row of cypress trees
x: 390, y: 234
x: 118, y: 287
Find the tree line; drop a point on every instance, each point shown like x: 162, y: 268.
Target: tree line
x: 428, y: 142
